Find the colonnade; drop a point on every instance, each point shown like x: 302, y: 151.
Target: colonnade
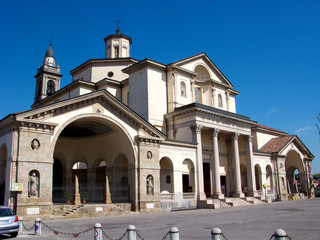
x: 215, y: 164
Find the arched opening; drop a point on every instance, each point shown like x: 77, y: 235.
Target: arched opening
x: 57, y: 182
x: 269, y: 179
x: 166, y: 177
x: 295, y: 177
x: 3, y: 169
x: 188, y: 178
x: 257, y: 171
x: 120, y: 187
x: 89, y: 148
x: 220, y: 103
x: 79, y: 169
x: 202, y: 72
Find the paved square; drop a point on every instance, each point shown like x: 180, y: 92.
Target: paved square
x: 300, y: 219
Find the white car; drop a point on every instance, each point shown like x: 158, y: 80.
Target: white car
x: 9, y: 223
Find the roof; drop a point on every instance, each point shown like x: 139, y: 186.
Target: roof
x: 49, y: 52
x: 118, y: 35
x: 260, y: 126
x: 276, y: 144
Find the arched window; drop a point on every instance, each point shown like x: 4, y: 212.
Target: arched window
x: 50, y: 87
x: 183, y: 89
x: 220, y: 105
x: 197, y: 95
x: 202, y: 72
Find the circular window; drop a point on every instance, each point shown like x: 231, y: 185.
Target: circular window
x: 110, y: 74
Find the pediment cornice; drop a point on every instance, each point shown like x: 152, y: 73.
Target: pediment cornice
x: 42, y: 115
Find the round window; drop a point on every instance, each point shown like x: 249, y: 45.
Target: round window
x: 110, y: 74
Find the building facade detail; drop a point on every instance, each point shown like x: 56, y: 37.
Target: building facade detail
x: 143, y: 134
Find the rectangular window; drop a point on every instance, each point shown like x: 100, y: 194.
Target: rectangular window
x: 116, y: 52
x: 197, y: 94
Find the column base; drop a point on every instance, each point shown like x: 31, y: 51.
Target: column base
x: 239, y: 195
x: 253, y: 194
x: 217, y: 196
x: 202, y: 196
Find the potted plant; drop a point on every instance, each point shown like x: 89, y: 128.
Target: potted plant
x: 84, y: 196
x: 68, y: 196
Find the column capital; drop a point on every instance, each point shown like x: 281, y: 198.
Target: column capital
x: 196, y: 128
x: 214, y: 131
x: 235, y: 135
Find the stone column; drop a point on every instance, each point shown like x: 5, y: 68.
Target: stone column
x: 192, y: 81
x: 215, y: 166
x: 175, y: 88
x: 76, y: 191
x: 238, y: 192
x: 108, y: 195
x: 228, y: 99
x: 196, y: 138
x: 252, y: 189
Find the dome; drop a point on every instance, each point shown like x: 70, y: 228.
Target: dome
x: 49, y: 52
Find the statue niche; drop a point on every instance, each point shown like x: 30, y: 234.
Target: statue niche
x: 150, y: 190
x: 34, y: 184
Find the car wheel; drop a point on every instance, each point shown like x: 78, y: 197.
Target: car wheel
x: 13, y: 235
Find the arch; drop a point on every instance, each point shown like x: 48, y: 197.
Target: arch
x: 114, y: 176
x: 183, y: 89
x: 34, y: 184
x: 120, y: 178
x: 295, y: 175
x: 203, y: 73
x: 166, y: 176
x: 102, y: 119
x: 269, y: 178
x: 51, y: 87
x: 3, y: 170
x: 188, y: 176
x: 257, y: 171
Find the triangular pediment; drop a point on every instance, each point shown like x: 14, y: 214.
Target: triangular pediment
x: 282, y: 145
x: 98, y: 102
x: 202, y: 59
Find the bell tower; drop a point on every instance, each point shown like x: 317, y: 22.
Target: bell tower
x: 47, y: 77
x: 117, y: 45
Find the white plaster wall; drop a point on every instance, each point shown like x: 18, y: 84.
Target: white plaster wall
x: 232, y: 104
x: 262, y: 139
x: 84, y: 74
x: 138, y: 92
x: 100, y: 71
x: 157, y: 97
x: 115, y: 91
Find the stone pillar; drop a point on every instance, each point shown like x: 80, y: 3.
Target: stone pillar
x: 238, y: 192
x: 192, y: 81
x: 196, y: 138
x: 252, y: 189
x: 215, y: 166
x: 76, y: 191
x: 108, y: 195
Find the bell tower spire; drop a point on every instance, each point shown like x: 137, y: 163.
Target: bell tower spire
x: 47, y: 77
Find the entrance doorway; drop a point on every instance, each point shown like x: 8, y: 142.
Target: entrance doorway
x: 223, y: 180
x: 206, y: 179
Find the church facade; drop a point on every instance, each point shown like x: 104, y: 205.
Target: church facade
x: 143, y: 133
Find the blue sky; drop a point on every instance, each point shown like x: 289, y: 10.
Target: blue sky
x: 269, y: 50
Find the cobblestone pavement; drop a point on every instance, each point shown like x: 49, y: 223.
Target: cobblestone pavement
x: 300, y: 219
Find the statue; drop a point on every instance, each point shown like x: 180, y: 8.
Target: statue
x: 33, y: 185
x: 150, y: 185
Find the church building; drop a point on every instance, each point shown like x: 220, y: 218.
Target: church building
x: 146, y: 136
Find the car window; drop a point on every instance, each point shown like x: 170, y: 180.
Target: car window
x: 5, y: 212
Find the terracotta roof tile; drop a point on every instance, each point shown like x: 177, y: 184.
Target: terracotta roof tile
x: 275, y: 144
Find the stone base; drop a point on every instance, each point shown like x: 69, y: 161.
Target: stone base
x: 201, y: 197
x: 218, y: 196
x: 253, y: 194
x: 239, y: 195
